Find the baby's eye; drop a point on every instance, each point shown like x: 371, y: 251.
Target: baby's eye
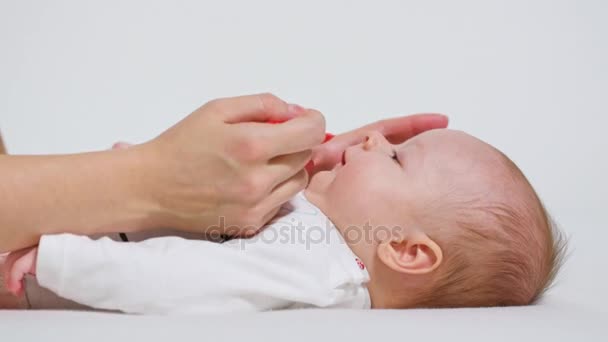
x: 395, y: 158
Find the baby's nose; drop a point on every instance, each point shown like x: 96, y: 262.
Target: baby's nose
x: 375, y: 139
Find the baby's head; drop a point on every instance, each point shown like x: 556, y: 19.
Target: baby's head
x: 442, y: 220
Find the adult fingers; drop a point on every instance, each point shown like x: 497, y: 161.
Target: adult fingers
x: 282, y: 193
x: 298, y: 134
x: 400, y: 129
x: 261, y: 179
x: 396, y: 130
x: 328, y: 154
x: 283, y: 167
x: 258, y: 108
x: 285, y: 191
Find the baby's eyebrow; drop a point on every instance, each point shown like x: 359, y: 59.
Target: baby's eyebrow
x: 403, y: 145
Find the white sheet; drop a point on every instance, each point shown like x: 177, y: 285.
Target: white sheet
x: 555, y: 321
x: 527, y: 76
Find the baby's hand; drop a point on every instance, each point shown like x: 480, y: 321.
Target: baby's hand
x: 19, y: 264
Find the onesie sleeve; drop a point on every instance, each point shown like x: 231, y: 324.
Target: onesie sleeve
x: 172, y: 275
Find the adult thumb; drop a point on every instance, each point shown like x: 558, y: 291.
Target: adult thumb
x: 255, y: 108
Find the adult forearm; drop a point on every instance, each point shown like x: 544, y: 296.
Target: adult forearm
x: 80, y: 193
x: 221, y: 168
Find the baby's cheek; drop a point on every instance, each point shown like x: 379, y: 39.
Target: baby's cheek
x: 355, y: 189
x: 366, y: 182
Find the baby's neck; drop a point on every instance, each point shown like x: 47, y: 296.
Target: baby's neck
x: 374, y: 286
x: 384, y: 287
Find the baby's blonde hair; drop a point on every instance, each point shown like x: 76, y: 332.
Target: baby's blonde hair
x: 500, y: 254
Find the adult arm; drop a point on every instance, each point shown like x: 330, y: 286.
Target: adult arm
x: 221, y: 168
x: 52, y: 193
x: 85, y: 193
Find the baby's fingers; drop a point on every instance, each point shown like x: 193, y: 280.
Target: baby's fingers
x: 9, y: 272
x: 19, y: 264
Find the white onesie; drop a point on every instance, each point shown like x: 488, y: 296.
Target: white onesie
x: 298, y: 260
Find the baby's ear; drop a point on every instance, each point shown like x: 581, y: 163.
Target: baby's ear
x: 416, y: 254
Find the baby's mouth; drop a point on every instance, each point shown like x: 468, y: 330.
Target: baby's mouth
x: 342, y: 162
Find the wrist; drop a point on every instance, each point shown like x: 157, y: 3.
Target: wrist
x: 140, y: 178
x: 162, y: 194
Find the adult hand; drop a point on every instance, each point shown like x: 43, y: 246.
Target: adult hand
x: 396, y: 130
x: 224, y: 170
x: 220, y: 166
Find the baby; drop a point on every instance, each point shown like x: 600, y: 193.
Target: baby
x: 441, y: 220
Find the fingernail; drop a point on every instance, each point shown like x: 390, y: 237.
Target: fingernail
x: 121, y: 145
x: 294, y: 109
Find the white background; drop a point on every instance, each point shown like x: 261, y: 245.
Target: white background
x: 530, y: 77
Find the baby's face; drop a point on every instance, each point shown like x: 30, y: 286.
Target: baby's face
x: 379, y: 183
x: 420, y: 192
